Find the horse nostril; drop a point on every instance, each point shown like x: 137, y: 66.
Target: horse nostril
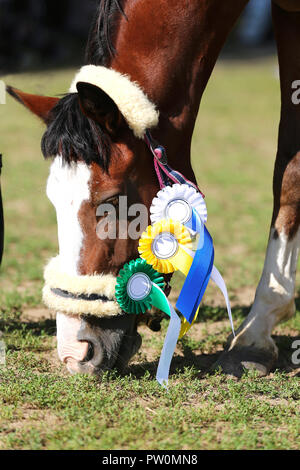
x: 93, y: 360
x: 90, y: 353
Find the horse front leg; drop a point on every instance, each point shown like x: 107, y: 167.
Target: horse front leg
x: 253, y: 346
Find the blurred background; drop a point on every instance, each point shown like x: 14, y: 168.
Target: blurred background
x: 42, y: 43
x: 43, y: 33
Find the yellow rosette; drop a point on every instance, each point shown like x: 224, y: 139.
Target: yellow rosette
x: 167, y: 245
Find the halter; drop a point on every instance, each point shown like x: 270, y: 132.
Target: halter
x: 95, y: 294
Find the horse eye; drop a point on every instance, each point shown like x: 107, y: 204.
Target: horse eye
x: 114, y: 201
x: 107, y: 206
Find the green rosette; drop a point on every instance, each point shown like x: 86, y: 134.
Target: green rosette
x: 134, y: 286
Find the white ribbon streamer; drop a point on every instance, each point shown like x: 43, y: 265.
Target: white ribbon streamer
x: 166, y: 356
x: 219, y: 281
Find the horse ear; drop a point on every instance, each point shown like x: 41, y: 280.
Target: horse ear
x: 97, y: 105
x: 39, y: 105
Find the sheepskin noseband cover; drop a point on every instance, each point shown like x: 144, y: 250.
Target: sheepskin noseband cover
x: 139, y: 112
x: 79, y: 295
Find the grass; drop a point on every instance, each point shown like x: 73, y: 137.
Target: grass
x: 42, y: 407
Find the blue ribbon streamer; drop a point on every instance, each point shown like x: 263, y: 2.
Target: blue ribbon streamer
x: 199, y: 274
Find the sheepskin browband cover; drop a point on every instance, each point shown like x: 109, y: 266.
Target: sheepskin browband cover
x: 139, y: 112
x: 79, y: 290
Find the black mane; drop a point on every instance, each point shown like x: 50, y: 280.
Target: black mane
x: 69, y: 133
x: 74, y: 136
x: 100, y: 48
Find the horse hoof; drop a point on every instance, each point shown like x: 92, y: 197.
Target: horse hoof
x: 240, y: 359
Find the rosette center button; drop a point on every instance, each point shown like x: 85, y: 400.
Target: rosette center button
x: 139, y: 286
x: 180, y: 210
x: 165, y: 245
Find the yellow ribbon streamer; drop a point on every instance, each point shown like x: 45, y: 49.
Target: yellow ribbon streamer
x: 185, y: 325
x: 180, y: 261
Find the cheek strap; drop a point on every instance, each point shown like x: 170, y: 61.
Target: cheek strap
x: 79, y: 295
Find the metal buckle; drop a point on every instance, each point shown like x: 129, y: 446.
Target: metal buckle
x: 153, y: 146
x: 163, y: 159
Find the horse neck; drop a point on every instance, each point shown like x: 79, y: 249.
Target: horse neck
x: 170, y: 49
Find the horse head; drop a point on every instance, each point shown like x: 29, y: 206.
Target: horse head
x: 100, y: 179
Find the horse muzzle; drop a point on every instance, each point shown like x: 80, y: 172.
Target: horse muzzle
x: 93, y: 334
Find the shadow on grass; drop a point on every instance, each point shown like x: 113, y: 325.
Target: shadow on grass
x: 209, y: 314
x: 201, y: 362
x: 39, y: 328
x: 16, y: 331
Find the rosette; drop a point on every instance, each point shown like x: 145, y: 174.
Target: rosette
x: 134, y: 286
x: 176, y: 202
x: 166, y: 246
x: 138, y: 288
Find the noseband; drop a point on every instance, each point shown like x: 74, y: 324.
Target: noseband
x: 79, y: 295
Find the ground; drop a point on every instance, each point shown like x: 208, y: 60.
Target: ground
x: 42, y: 407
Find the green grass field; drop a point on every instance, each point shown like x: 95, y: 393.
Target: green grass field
x: 42, y: 407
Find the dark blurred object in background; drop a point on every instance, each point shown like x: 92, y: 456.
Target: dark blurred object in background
x: 41, y: 33
x: 38, y: 34
x: 255, y: 24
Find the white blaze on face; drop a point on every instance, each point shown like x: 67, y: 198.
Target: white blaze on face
x: 67, y: 189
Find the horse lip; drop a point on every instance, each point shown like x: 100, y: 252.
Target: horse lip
x: 75, y: 367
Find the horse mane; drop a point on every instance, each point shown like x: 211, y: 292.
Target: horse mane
x: 100, y: 49
x: 70, y: 133
x: 74, y: 136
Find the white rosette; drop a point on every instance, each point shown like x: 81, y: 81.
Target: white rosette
x: 176, y: 202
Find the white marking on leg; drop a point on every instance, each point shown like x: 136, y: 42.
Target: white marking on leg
x: 274, y: 298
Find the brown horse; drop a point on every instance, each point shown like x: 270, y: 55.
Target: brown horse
x: 168, y: 48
